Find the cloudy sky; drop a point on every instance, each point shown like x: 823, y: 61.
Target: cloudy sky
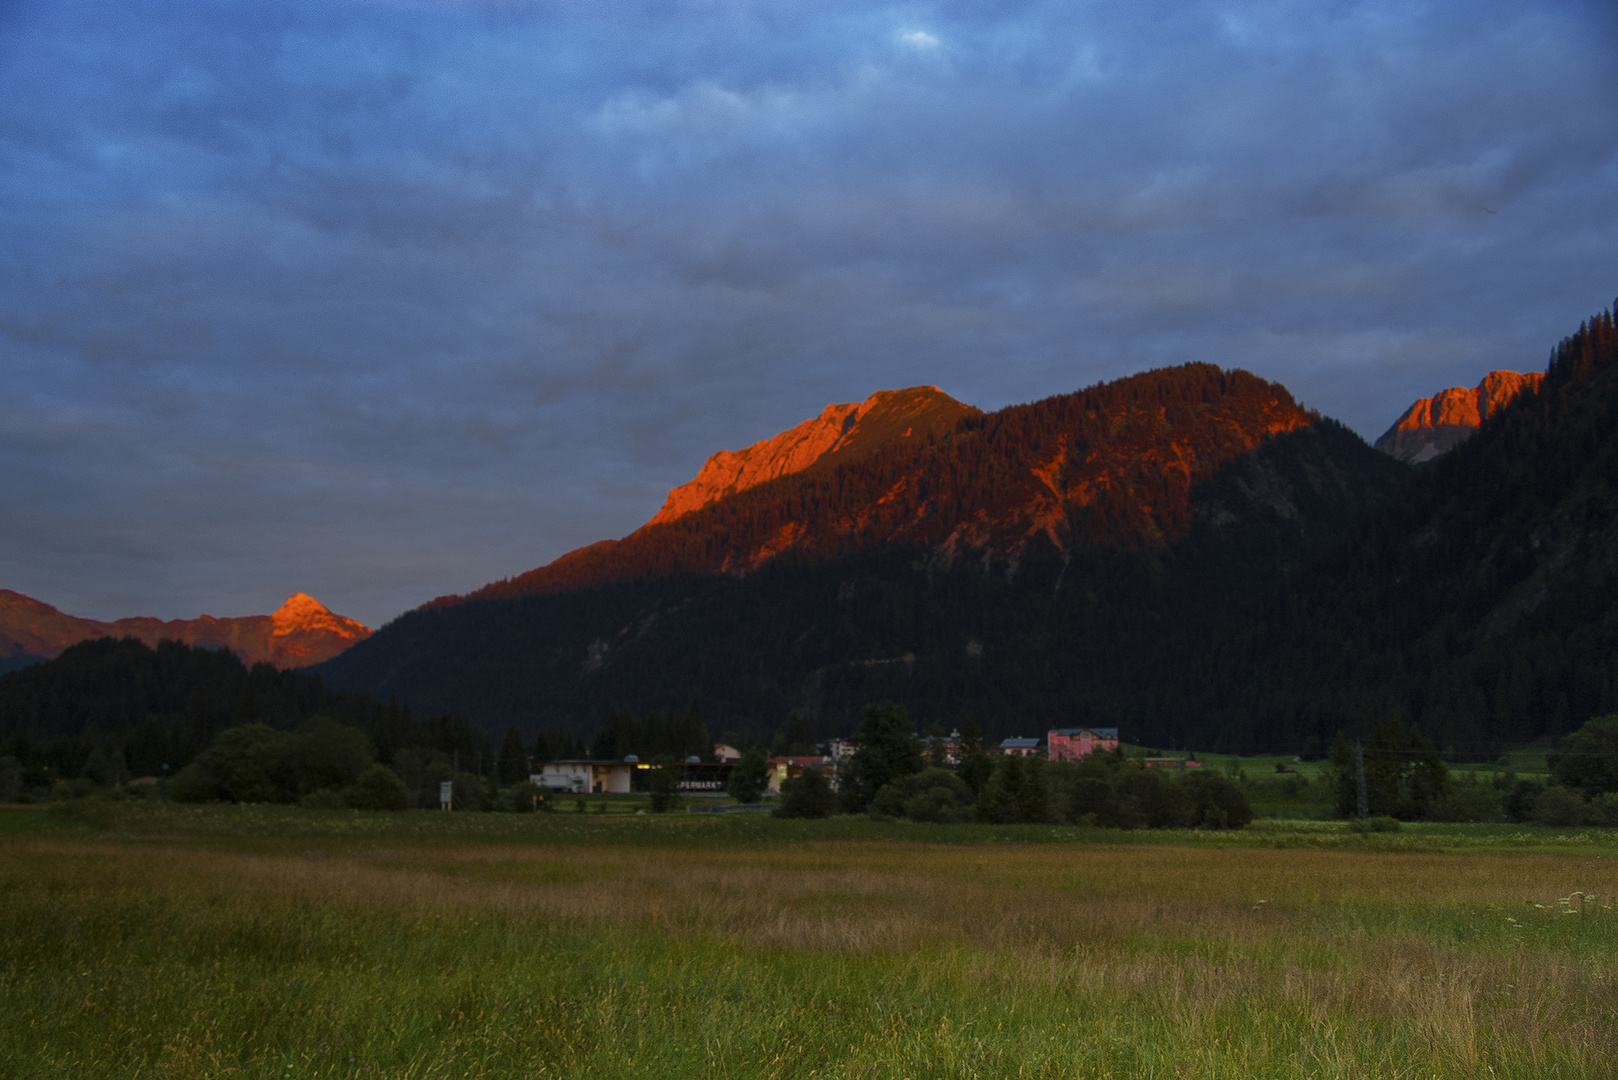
x: 383, y: 300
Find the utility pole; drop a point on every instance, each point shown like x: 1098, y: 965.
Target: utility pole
x: 1359, y: 778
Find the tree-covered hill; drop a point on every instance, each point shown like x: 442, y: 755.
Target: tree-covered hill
x: 159, y: 706
x: 1199, y: 510
x: 1478, y: 605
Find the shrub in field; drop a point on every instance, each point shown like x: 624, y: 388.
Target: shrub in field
x: 749, y: 777
x: 10, y: 779
x: 256, y: 763
x: 1559, y: 806
x: 664, y: 784
x: 1379, y: 823
x: 930, y: 795
x: 887, y: 750
x: 1145, y: 798
x: 322, y: 754
x: 1602, y: 810
x: 243, y: 764
x: 1588, y: 762
x: 808, y: 795
x: 1088, y: 795
x: 527, y: 797
x: 1520, y: 800
x: 1404, y: 776
x: 1469, y: 801
x: 378, y: 788
x: 1219, y: 804
x: 1016, y: 793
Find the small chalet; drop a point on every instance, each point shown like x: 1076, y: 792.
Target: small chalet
x: 1016, y: 746
x: 1074, y: 744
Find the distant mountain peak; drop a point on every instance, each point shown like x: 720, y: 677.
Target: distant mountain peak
x: 302, y: 632
x: 300, y: 608
x: 842, y: 432
x: 1436, y: 425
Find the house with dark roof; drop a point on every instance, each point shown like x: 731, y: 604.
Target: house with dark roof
x: 1017, y: 746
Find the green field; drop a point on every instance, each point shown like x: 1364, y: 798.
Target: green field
x: 155, y: 940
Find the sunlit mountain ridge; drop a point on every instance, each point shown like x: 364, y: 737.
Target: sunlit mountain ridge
x: 301, y: 632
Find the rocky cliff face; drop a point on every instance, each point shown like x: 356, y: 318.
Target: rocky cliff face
x: 1437, y: 425
x: 301, y: 633
x: 1113, y: 465
x: 841, y: 433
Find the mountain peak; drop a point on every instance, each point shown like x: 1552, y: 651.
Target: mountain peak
x: 1436, y: 425
x: 303, y: 631
x: 299, y: 607
x: 842, y: 432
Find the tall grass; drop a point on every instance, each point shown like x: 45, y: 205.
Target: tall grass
x: 145, y: 954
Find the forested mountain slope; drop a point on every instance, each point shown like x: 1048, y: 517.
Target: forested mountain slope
x: 157, y: 707
x: 1010, y: 569
x: 1478, y: 605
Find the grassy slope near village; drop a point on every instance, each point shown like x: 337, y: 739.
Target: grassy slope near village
x: 156, y: 940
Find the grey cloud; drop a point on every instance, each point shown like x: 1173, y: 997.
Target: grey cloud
x: 385, y: 300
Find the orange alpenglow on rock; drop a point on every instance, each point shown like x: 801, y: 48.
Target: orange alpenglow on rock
x: 840, y: 433
x: 301, y: 633
x: 1437, y: 425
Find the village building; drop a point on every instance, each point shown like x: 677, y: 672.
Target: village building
x: 783, y: 769
x: 1075, y: 744
x: 1017, y: 746
x: 582, y: 776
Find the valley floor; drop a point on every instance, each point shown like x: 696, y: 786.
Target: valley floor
x: 263, y: 942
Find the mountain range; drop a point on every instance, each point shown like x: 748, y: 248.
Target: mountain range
x: 997, y: 564
x: 1187, y: 554
x: 300, y: 633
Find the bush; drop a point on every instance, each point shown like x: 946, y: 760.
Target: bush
x: 1379, y: 823
x: 378, y: 788
x: 1015, y: 792
x: 324, y: 799
x: 936, y: 795
x: 1520, y: 801
x: 528, y: 797
x: 1090, y: 796
x: 664, y: 783
x: 749, y: 777
x: 1588, y: 762
x: 1469, y: 801
x: 1218, y: 803
x: 321, y: 753
x: 1559, y: 806
x: 1145, y: 798
x: 243, y: 764
x: 808, y: 795
x: 887, y: 751
x: 1602, y: 810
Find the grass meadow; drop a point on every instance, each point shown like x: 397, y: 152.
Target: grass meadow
x: 163, y: 941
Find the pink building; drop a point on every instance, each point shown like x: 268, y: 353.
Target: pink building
x: 1072, y: 744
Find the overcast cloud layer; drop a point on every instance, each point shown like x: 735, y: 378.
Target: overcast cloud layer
x: 380, y: 301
